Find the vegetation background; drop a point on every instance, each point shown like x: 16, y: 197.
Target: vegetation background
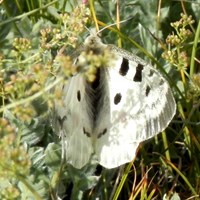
x: 33, y: 34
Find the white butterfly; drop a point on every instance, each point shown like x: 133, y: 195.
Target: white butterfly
x: 127, y: 103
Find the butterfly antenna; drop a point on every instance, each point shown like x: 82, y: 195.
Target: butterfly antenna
x: 110, y: 25
x: 92, y: 10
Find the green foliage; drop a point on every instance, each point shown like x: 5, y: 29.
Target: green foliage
x: 35, y: 39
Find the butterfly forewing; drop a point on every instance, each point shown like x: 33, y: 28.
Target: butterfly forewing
x: 141, y: 105
x: 72, y: 120
x: 147, y: 97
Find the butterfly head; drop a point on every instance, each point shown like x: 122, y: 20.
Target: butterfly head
x: 93, y: 42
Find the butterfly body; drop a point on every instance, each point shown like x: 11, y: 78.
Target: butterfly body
x: 127, y: 102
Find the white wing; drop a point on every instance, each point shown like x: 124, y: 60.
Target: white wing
x: 127, y: 103
x: 141, y: 105
x: 71, y: 118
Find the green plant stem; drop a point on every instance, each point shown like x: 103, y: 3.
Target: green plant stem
x: 183, y: 177
x: 13, y: 19
x: 194, y: 50
x: 122, y: 181
x: 29, y: 186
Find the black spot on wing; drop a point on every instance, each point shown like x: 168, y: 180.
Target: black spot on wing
x: 147, y: 90
x: 124, y: 67
x: 61, y: 121
x: 151, y: 72
x: 117, y: 98
x: 161, y: 82
x: 138, y: 74
x: 102, y: 133
x: 85, y: 132
x: 79, y: 95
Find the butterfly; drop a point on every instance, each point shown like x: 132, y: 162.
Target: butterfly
x: 127, y: 102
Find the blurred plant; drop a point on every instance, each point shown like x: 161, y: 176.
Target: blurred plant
x: 28, y: 71
x: 175, y: 53
x: 194, y: 88
x: 15, y: 162
x: 33, y: 62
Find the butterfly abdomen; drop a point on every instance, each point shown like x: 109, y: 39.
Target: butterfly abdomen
x: 95, y: 92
